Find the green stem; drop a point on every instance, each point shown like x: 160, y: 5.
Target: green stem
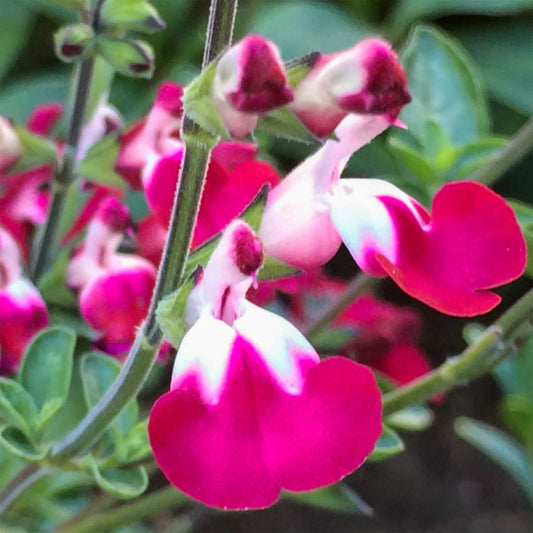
x: 144, y: 350
x: 495, y: 344
x: 129, y: 513
x: 219, y: 29
x: 355, y: 288
x: 63, y: 179
x: 517, y: 148
x: 29, y: 475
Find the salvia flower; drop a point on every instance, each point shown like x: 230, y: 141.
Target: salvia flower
x: 366, y: 79
x: 114, y: 288
x: 250, y: 80
x: 440, y: 258
x: 22, y: 310
x: 252, y: 409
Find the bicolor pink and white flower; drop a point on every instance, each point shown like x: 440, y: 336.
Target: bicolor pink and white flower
x: 252, y: 410
x: 114, y: 288
x: 366, y: 79
x: 250, y: 80
x: 442, y: 258
x: 23, y: 312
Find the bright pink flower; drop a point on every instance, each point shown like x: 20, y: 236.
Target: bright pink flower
x: 232, y: 175
x: 366, y: 79
x: 10, y: 147
x: 114, y: 288
x: 440, y: 258
x: 157, y: 135
x: 22, y: 310
x: 252, y: 410
x: 43, y: 118
x: 250, y: 80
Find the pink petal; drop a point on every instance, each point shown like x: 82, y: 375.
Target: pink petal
x: 229, y: 154
x: 22, y: 314
x: 116, y: 303
x: 44, y: 117
x: 471, y: 243
x: 151, y: 237
x: 403, y: 363
x: 239, y: 452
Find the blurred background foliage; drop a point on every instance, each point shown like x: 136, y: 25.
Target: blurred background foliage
x: 470, y: 64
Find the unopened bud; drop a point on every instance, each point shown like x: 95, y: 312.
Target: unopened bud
x: 74, y: 42
x: 131, y: 15
x: 130, y: 58
x: 250, y: 80
x: 366, y: 79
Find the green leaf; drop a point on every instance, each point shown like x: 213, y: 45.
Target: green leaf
x: 198, y: 103
x: 298, y: 27
x: 76, y: 4
x: 414, y: 418
x: 444, y: 88
x: 515, y: 375
x: 60, y: 316
x: 298, y: 68
x: 472, y: 156
x: 171, y: 311
x: 16, y: 406
x: 15, y: 24
x: 388, y: 444
x: 36, y: 151
x: 407, y: 11
x: 517, y: 412
x: 338, y: 497
x: 418, y: 163
x: 121, y: 483
x: 20, y: 97
x: 501, y: 448
x: 17, y: 443
x: 46, y: 369
x: 52, y: 286
x: 275, y: 269
x: 98, y: 372
x: 9, y: 466
x: 98, y: 165
x: 101, y: 81
x: 137, y: 443
x: 501, y: 49
x: 282, y: 122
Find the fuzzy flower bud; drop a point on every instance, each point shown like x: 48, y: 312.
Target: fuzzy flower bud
x: 366, y: 79
x: 250, y: 80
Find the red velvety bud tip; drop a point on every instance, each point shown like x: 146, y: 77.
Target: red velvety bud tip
x: 248, y: 250
x: 385, y: 86
x: 263, y: 84
x: 114, y: 215
x: 169, y: 98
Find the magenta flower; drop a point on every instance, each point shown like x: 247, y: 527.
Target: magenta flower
x: 114, y: 288
x: 252, y: 410
x: 440, y: 258
x: 250, y: 80
x: 22, y: 310
x: 366, y: 79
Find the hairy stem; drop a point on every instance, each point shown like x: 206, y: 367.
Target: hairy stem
x: 144, y: 350
x: 517, y: 148
x: 65, y: 176
x: 495, y: 344
x: 29, y: 475
x: 129, y: 513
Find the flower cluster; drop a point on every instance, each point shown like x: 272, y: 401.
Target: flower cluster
x: 252, y: 409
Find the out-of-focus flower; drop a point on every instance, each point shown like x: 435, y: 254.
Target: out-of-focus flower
x: 22, y: 310
x: 366, y: 79
x: 10, y: 147
x: 440, y: 258
x: 250, y: 80
x: 114, y: 288
x: 252, y: 410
